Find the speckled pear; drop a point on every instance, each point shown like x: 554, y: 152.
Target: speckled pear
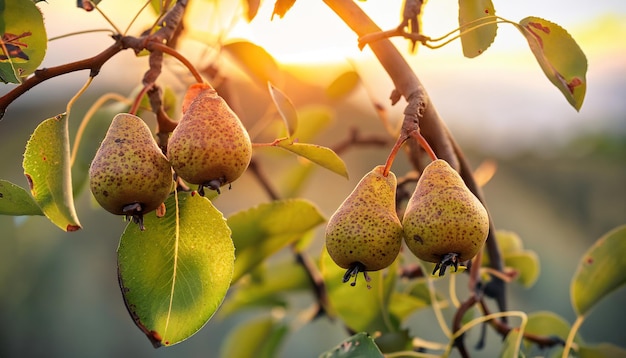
x: 210, y: 146
x: 444, y: 222
x: 365, y: 233
x: 130, y: 175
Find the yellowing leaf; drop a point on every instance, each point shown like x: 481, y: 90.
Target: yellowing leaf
x: 256, y: 62
x: 175, y: 274
x: 23, y: 39
x: 15, y: 200
x: 559, y: 56
x: 47, y: 169
x: 478, y: 26
x: 285, y: 108
x: 343, y: 85
x: 263, y: 230
x: 322, y: 156
x: 601, y: 271
x: 526, y: 263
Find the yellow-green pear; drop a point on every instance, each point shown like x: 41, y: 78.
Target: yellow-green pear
x: 365, y: 233
x: 130, y: 175
x: 444, y: 222
x: 210, y: 146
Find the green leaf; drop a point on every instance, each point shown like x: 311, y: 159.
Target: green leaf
x: 343, y: 85
x: 603, y: 350
x: 478, y: 26
x: 601, y: 271
x: 15, y: 200
x: 322, y: 156
x: 256, y: 62
x: 368, y: 313
x: 545, y: 323
x: 415, y: 297
x: 257, y: 338
x: 559, y: 56
x: 511, y: 346
x: 361, y: 345
x: 175, y: 274
x: 265, y: 229
x: 24, y: 40
x: 268, y: 287
x: 47, y: 169
x: 285, y: 108
x: 526, y: 263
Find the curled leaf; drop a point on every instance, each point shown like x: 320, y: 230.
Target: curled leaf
x: 285, y: 108
x: 559, y: 56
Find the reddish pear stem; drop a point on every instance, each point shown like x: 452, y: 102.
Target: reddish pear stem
x: 135, y: 107
x: 394, y: 151
x: 424, y: 144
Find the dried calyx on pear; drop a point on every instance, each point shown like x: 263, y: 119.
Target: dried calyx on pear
x: 444, y: 222
x: 210, y: 146
x: 130, y: 175
x: 365, y: 233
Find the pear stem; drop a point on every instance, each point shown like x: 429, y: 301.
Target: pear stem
x: 394, y: 151
x: 152, y: 46
x: 424, y: 143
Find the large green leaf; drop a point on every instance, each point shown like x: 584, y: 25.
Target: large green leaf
x: 263, y: 230
x: 361, y: 345
x: 285, y: 108
x: 47, y: 169
x: 318, y: 154
x: 24, y: 39
x: 601, y: 271
x: 15, y: 200
x: 559, y: 56
x: 175, y: 274
x: 257, y: 338
x: 368, y: 313
x: 256, y: 62
x: 545, y: 323
x: 415, y: 297
x: 526, y: 263
x: 478, y: 26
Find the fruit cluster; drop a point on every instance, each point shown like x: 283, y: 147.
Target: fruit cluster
x: 444, y: 222
x: 210, y: 147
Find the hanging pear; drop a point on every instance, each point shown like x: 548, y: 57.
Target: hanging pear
x: 130, y: 175
x: 444, y: 222
x: 365, y: 233
x: 210, y: 146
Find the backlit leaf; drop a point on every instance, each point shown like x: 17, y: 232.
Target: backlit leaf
x: 511, y: 346
x: 343, y: 85
x: 361, y: 345
x: 256, y: 62
x: 15, y: 200
x: 559, y: 56
x: 285, y: 108
x: 23, y: 40
x: 257, y: 338
x: 368, y: 313
x: 478, y: 26
x: 318, y: 154
x: 175, y: 274
x: 252, y: 7
x: 47, y: 169
x: 601, y: 271
x: 281, y: 7
x: 265, y: 229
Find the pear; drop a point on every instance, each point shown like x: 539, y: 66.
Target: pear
x: 365, y: 233
x: 444, y: 222
x: 130, y: 175
x: 210, y: 146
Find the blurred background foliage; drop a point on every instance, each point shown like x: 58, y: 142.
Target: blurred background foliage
x: 559, y: 190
